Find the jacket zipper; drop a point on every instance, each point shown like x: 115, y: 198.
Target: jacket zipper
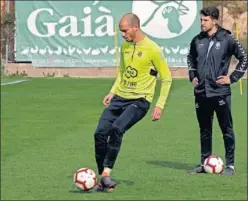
x: 210, y: 46
x: 133, y: 51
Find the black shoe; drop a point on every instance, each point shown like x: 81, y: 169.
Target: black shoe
x: 197, y: 169
x: 228, y: 171
x: 108, y: 184
x: 97, y: 188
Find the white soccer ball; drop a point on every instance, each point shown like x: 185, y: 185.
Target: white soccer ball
x: 85, y: 179
x: 213, y: 165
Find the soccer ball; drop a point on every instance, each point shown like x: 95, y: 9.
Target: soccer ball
x: 85, y: 179
x: 213, y: 165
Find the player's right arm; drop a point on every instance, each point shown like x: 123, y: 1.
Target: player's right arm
x: 192, y: 62
x: 116, y: 84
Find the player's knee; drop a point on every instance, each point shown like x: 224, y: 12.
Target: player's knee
x: 116, y: 131
x: 228, y: 132
x: 100, y: 141
x: 102, y: 130
x: 206, y: 133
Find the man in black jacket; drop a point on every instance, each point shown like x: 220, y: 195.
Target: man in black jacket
x: 208, y: 61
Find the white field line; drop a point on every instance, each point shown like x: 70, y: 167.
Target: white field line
x: 15, y: 82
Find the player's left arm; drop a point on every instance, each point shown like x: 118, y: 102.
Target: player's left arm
x: 165, y: 77
x: 239, y: 52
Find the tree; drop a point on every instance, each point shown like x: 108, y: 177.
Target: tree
x: 8, y: 35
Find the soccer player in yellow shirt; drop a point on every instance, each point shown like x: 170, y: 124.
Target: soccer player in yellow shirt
x: 141, y: 62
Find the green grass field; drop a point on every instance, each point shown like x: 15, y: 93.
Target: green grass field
x: 47, y: 127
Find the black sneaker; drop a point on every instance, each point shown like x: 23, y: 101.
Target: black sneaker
x: 108, y: 184
x: 197, y: 169
x: 228, y: 171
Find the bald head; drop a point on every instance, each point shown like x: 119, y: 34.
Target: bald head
x: 130, y: 28
x: 130, y: 19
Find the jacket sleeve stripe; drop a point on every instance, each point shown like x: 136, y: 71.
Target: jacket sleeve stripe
x: 243, y: 65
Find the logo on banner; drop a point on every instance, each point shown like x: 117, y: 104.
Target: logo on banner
x: 165, y: 19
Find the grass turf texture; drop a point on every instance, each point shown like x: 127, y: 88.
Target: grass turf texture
x: 47, y: 134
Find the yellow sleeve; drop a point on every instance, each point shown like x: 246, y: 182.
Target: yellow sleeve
x: 119, y: 76
x: 161, y: 66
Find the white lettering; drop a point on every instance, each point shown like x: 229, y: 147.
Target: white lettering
x: 107, y: 28
x: 104, y: 25
x: 72, y: 26
x: 87, y: 22
x: 87, y: 26
x: 50, y: 26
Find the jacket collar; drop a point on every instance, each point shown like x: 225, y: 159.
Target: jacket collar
x: 218, y: 35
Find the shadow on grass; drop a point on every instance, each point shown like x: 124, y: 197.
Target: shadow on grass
x: 173, y: 165
x: 78, y: 191
x: 126, y: 182
x: 119, y: 182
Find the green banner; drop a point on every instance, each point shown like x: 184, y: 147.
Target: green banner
x: 82, y: 33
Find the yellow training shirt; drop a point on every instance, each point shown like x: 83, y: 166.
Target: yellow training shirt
x: 137, y: 78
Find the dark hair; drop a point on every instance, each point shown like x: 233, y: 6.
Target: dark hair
x: 211, y: 11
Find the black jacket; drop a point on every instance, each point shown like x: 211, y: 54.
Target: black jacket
x: 210, y: 58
